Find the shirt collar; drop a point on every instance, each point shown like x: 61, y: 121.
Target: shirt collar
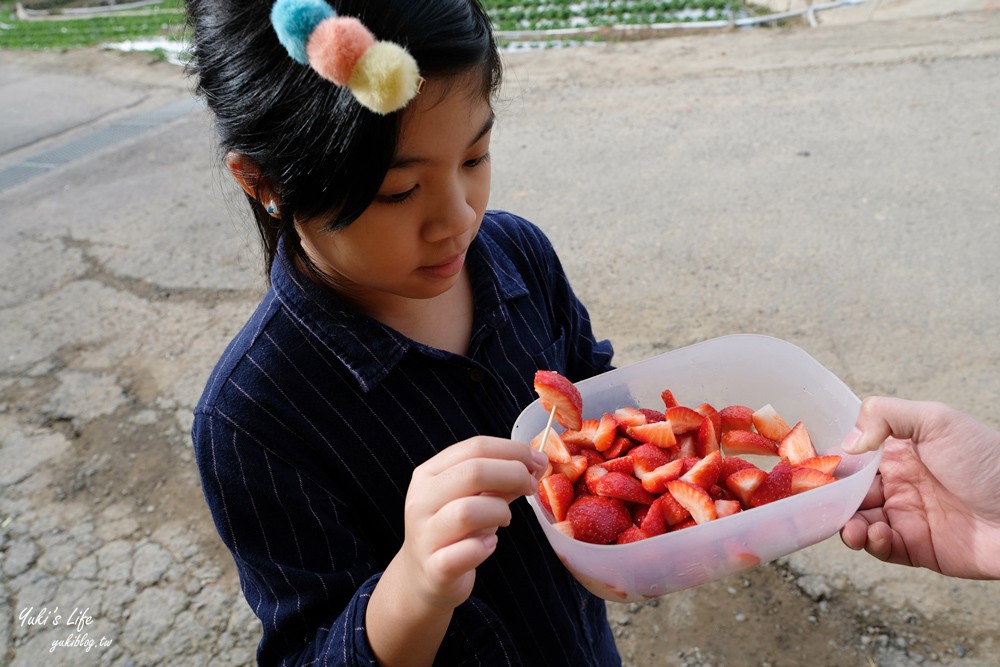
x: 368, y: 349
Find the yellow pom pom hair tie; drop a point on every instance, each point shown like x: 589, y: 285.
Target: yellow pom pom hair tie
x: 383, y: 76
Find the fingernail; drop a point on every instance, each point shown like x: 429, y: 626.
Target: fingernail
x: 852, y: 443
x: 490, y: 541
x: 539, y: 458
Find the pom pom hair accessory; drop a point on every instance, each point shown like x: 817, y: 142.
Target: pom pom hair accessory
x: 383, y: 76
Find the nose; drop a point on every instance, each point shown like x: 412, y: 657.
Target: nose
x: 453, y: 212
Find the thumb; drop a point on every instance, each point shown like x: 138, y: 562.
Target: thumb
x: 882, y: 417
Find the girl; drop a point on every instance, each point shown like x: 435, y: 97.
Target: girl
x: 352, y: 440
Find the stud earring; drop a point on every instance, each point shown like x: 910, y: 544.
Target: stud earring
x: 272, y: 208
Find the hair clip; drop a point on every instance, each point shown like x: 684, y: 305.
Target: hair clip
x: 383, y: 76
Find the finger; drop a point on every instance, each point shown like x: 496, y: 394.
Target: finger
x: 454, y: 560
x: 880, y: 541
x: 875, y: 497
x: 854, y: 534
x: 467, y: 516
x: 882, y: 417
x: 490, y: 476
x: 485, y: 447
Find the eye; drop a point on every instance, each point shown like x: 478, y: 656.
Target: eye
x: 482, y: 159
x: 396, y: 198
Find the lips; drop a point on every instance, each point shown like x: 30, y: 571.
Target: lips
x: 447, y: 268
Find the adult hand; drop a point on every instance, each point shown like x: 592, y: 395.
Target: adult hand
x: 934, y: 503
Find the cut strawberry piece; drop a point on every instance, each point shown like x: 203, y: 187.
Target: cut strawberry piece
x: 683, y: 419
x: 686, y: 523
x: 647, y: 458
x: 827, y: 464
x: 668, y: 399
x: 777, y: 485
x: 735, y: 418
x: 731, y: 464
x: 705, y: 472
x: 660, y: 434
x: 584, y: 436
x: 652, y: 521
x: 727, y: 507
x: 555, y: 390
x: 554, y: 448
x: 744, y: 482
x: 769, y: 423
x: 627, y: 417
x: 591, y: 476
x: 572, y: 470
x: 806, y: 479
x: 623, y: 464
x: 621, y: 446
x: 607, y: 432
x: 720, y: 492
x: 707, y: 441
x: 748, y: 442
x: 631, y: 534
x: 652, y: 416
x: 564, y: 527
x: 694, y: 499
x: 706, y: 410
x: 656, y: 480
x: 624, y: 487
x: 796, y: 446
x: 670, y: 510
x: 687, y: 444
x: 598, y: 519
x: 556, y: 494
x: 593, y: 457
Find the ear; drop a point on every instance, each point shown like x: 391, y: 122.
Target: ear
x: 247, y: 174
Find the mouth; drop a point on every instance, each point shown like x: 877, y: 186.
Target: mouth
x: 447, y: 268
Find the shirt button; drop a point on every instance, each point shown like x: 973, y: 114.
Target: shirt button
x: 477, y: 375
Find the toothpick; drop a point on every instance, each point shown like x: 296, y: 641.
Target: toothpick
x: 548, y: 427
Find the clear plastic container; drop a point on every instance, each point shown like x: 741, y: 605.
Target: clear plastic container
x: 742, y: 369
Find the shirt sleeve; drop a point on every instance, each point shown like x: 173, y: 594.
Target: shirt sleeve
x: 303, y: 570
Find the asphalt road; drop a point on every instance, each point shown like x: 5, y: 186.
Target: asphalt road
x: 835, y: 187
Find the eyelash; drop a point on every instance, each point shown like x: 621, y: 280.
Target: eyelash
x: 396, y: 199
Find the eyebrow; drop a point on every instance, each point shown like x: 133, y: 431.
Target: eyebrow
x: 403, y: 161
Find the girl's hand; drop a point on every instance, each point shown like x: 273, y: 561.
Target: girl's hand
x: 934, y: 503
x: 455, y: 503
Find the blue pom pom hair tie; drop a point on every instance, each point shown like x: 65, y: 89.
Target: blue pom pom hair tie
x: 382, y: 76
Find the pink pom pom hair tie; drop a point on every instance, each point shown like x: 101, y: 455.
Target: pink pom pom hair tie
x: 383, y: 76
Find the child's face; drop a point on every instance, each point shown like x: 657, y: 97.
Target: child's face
x: 410, y: 242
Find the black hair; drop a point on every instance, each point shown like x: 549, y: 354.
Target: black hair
x: 324, y: 153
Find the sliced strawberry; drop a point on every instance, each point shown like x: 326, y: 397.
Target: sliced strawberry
x: 652, y: 416
x: 652, y: 521
x: 744, y: 482
x: 624, y: 487
x: 720, y: 492
x: 623, y: 464
x: 593, y: 457
x: 656, y: 480
x: 572, y: 470
x: 687, y: 445
x: 748, y: 442
x: 706, y: 410
x: 647, y: 458
x: 705, y: 472
x: 668, y: 399
x: 735, y: 418
x: 777, y: 485
x: 707, y: 441
x: 554, y: 448
x: 686, y: 523
x: 598, y: 519
x: 555, y: 390
x: 731, y: 464
x: 556, y: 494
x: 631, y: 534
x: 660, y: 434
x: 584, y: 436
x: 627, y: 417
x: 769, y: 423
x: 797, y: 446
x: 727, y: 507
x: 564, y: 527
x: 580, y: 488
x: 607, y: 432
x: 591, y: 476
x: 827, y: 464
x: 670, y: 510
x: 694, y: 499
x: 806, y: 479
x: 683, y: 419
x: 622, y: 444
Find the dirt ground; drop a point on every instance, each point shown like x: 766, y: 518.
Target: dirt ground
x: 792, y: 612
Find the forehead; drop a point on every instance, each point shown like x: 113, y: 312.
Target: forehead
x: 447, y: 112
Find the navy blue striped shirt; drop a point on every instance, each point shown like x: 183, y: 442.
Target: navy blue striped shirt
x: 314, y: 419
